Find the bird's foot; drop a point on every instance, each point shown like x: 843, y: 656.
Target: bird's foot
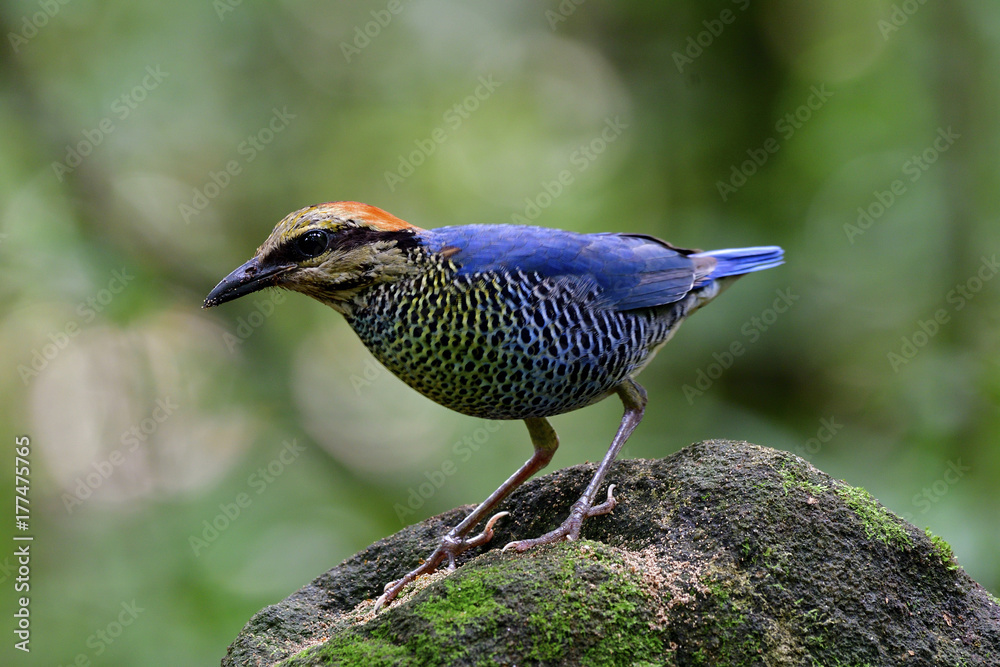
x: 570, y: 528
x: 451, y: 547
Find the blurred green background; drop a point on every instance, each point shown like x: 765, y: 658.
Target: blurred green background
x: 148, y: 148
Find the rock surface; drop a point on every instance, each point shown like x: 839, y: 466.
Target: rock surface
x: 725, y: 553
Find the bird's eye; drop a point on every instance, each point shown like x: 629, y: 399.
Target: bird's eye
x: 312, y: 244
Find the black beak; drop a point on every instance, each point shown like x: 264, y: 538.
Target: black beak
x: 248, y: 278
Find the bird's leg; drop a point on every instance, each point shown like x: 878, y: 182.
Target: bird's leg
x: 634, y: 399
x: 545, y: 442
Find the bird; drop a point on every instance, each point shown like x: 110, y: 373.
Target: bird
x: 498, y: 321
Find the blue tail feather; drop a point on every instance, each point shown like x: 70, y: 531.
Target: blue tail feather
x: 737, y: 261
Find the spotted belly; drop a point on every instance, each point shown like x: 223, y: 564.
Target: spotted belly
x: 506, y: 346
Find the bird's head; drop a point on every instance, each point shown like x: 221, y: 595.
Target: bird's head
x: 330, y: 252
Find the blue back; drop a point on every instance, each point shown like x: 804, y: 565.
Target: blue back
x: 633, y: 271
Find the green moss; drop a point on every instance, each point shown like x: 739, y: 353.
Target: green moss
x: 352, y: 648
x: 793, y: 475
x: 942, y: 550
x: 610, y: 600
x: 879, y: 523
x: 597, y: 597
x: 440, y: 618
x: 462, y: 605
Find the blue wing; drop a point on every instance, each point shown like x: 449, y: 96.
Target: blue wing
x: 632, y: 271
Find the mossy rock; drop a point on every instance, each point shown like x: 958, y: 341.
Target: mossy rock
x: 722, y: 554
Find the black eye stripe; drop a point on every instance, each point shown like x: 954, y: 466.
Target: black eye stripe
x: 354, y: 237
x: 315, y: 242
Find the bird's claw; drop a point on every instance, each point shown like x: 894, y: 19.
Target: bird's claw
x: 606, y: 506
x: 449, y: 549
x: 487, y: 534
x: 570, y: 528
